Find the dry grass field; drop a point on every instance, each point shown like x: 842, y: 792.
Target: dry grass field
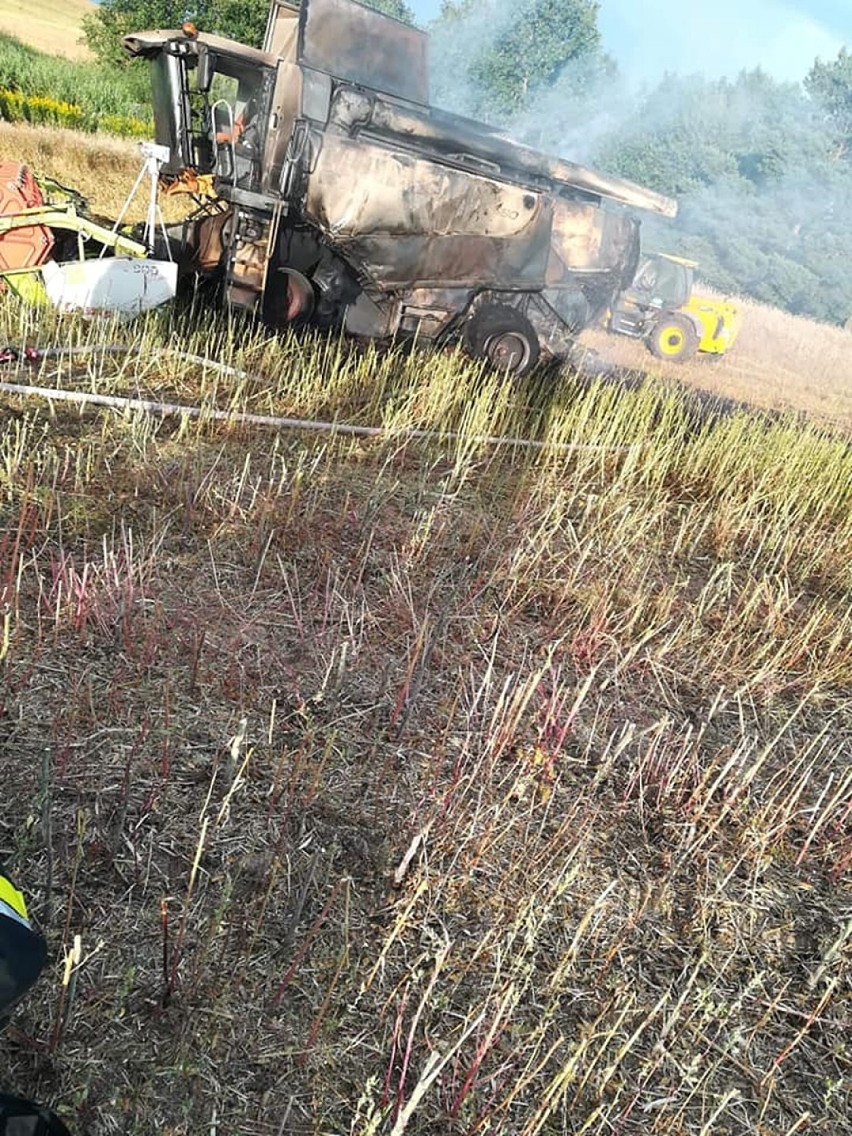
x: 370, y: 785
x: 52, y: 26
x: 102, y: 167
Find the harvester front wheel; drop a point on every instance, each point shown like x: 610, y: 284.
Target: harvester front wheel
x: 674, y: 338
x: 504, y: 337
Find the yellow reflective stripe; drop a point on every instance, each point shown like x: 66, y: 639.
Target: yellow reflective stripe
x: 13, y: 897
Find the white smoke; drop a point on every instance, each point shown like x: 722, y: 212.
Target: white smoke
x: 658, y: 37
x: 762, y: 206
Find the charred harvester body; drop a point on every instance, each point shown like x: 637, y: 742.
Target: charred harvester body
x: 343, y: 199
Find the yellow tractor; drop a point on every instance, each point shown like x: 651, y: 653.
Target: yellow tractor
x: 660, y: 307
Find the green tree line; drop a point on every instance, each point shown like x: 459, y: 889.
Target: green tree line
x: 242, y: 20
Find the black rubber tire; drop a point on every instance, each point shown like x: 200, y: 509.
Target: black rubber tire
x: 673, y: 337
x: 289, y: 299
x: 504, y: 337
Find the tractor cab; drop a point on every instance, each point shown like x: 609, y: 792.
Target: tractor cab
x: 662, y: 281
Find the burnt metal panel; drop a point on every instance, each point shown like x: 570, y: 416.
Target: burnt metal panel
x: 174, y: 41
x: 577, y: 238
x: 282, y: 30
x: 171, y: 111
x: 366, y: 317
x: 316, y: 96
x: 458, y: 138
x: 363, y: 46
x: 286, y: 99
x: 410, y: 221
x: 426, y: 312
x: 588, y: 238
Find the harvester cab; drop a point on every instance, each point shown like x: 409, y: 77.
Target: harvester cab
x: 661, y: 307
x: 211, y: 103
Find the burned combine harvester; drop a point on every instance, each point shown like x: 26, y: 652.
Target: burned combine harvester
x: 343, y: 199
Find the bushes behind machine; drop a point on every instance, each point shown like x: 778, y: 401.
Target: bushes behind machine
x: 47, y: 90
x: 41, y: 110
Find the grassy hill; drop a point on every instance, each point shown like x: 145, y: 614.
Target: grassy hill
x: 423, y: 786
x: 52, y: 26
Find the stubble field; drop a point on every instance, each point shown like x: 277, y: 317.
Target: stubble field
x: 382, y: 784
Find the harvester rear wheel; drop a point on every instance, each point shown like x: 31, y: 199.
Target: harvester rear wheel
x: 674, y: 338
x: 504, y: 337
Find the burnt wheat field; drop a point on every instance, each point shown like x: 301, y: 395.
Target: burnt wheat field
x: 370, y: 784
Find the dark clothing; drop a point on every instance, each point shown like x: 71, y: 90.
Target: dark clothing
x: 19, y: 1117
x: 23, y: 951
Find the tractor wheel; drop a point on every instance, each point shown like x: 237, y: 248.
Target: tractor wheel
x: 674, y: 338
x: 289, y: 300
x: 504, y: 337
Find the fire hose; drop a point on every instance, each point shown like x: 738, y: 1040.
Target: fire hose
x: 33, y: 356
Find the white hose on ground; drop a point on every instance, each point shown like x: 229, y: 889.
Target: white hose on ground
x: 243, y: 417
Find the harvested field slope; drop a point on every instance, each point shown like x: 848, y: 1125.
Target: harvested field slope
x: 52, y: 26
x: 427, y: 787
x: 101, y: 167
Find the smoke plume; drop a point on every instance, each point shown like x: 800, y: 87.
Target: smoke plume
x: 763, y: 200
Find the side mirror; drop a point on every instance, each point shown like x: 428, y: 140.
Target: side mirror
x: 206, y: 66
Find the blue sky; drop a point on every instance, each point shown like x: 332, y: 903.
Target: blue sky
x: 716, y: 37
x: 723, y: 37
